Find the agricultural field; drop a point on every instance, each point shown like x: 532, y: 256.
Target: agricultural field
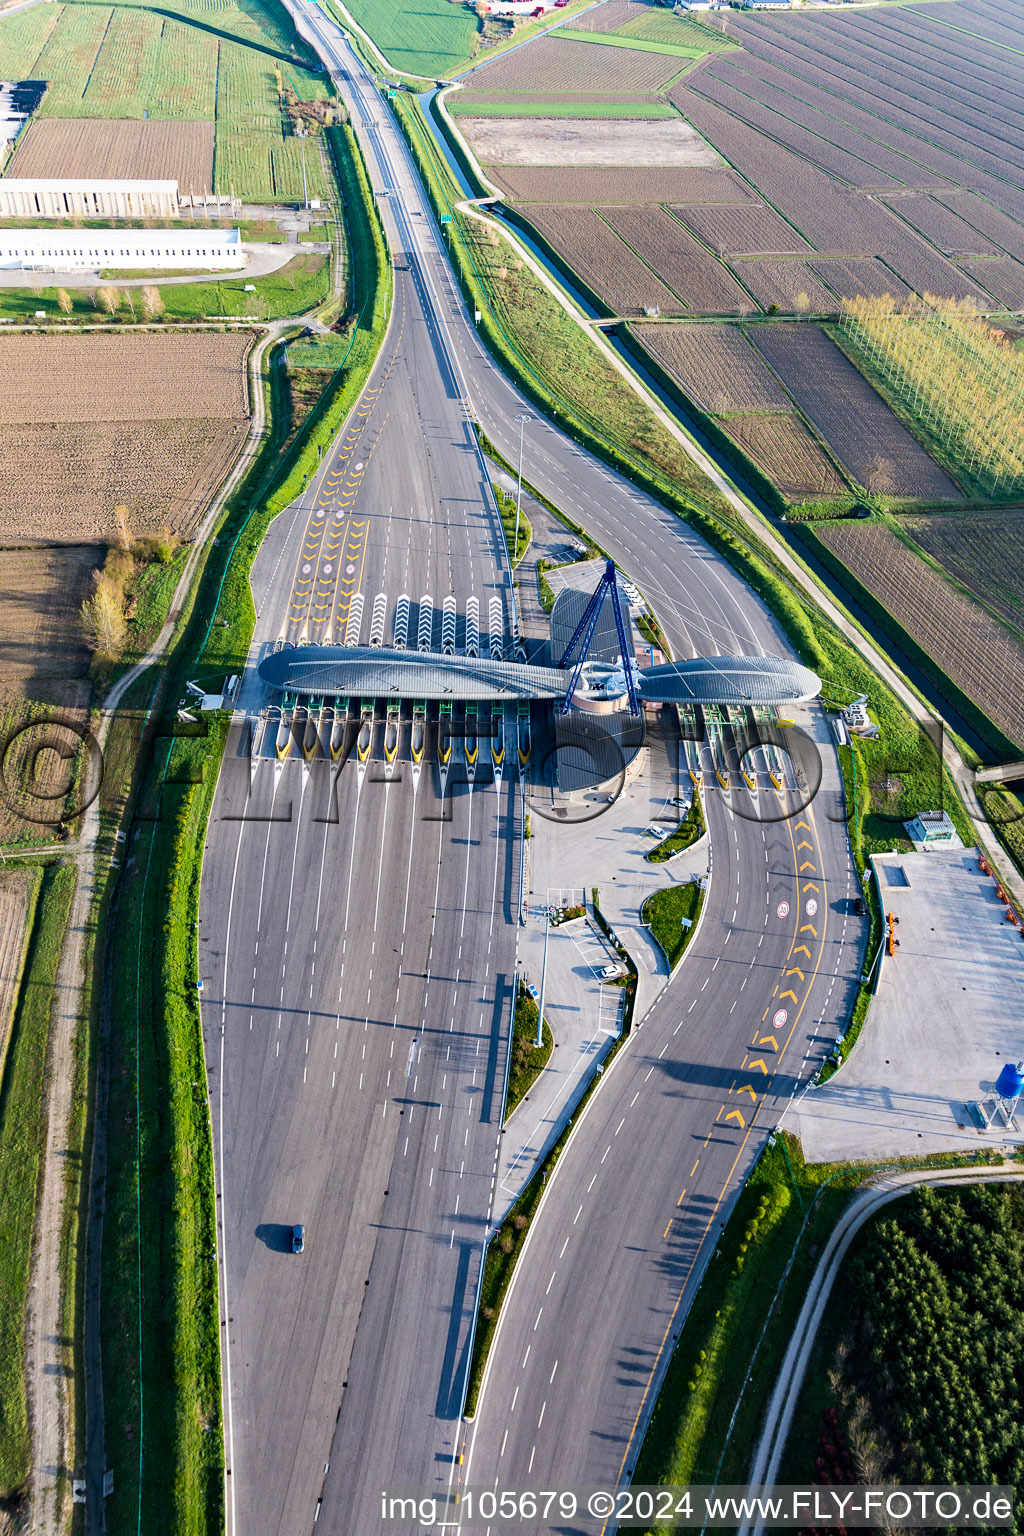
x: 785, y: 285
x: 135, y: 61
x: 859, y: 277
x: 602, y: 260
x: 43, y: 655
x: 956, y: 376
x: 74, y: 452
x: 788, y: 454
x: 977, y: 548
x: 703, y: 283
x: 90, y: 378
x: 715, y: 366
x: 147, y: 150
x: 17, y: 891
x: 434, y: 39
x: 863, y: 433
x: 754, y: 230
x: 973, y: 649
x: 551, y: 62
x: 593, y: 185
x: 586, y: 141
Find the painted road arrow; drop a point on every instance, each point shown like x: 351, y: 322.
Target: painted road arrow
x: 734, y: 1114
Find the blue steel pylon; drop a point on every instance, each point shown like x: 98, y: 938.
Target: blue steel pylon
x: 586, y: 627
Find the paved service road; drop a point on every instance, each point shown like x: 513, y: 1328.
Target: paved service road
x: 358, y: 960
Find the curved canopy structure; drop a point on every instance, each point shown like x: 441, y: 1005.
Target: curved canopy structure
x: 368, y: 672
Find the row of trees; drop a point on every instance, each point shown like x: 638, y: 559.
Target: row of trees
x: 939, y: 1297
x: 108, y: 300
x: 958, y: 374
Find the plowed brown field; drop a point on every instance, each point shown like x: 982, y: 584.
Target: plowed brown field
x: 701, y: 281
x: 715, y: 366
x: 789, y: 454
x: 603, y: 261
x: 91, y: 422
x: 972, y: 648
x: 63, y: 480
x: 145, y: 150
x: 593, y: 184
x: 95, y: 377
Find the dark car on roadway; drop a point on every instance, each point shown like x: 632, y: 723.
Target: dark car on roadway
x: 298, y: 1239
x: 860, y: 906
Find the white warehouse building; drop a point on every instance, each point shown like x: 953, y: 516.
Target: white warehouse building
x: 33, y: 197
x: 93, y: 250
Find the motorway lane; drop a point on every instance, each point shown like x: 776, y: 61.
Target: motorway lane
x: 357, y: 982
x: 709, y: 610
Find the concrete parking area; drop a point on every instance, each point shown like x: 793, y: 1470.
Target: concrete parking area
x: 947, y: 1014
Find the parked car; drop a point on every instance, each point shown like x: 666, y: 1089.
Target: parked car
x: 609, y: 972
x: 658, y: 832
x: 298, y: 1239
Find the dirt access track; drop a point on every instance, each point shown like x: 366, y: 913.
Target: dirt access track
x: 587, y: 141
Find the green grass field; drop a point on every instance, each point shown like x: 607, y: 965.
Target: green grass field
x: 22, y: 1130
x: 666, y: 27
x: 434, y: 38
x: 671, y: 915
x: 518, y: 108
x: 189, y: 62
x: 642, y: 45
x: 297, y: 287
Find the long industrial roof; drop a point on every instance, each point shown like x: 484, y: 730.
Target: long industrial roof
x: 368, y: 672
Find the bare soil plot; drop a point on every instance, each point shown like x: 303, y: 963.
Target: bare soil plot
x: 787, y: 453
x: 947, y: 101
x: 833, y: 220
x: 41, y: 642
x: 564, y: 184
x: 602, y: 260
x: 1004, y: 279
x: 941, y: 226
x: 553, y: 62
x: 972, y: 648
x: 700, y: 280
x: 859, y: 277
x: 858, y: 426
x: 979, y: 549
x: 788, y: 284
x: 16, y: 891
x: 587, y: 141
x: 611, y: 16
x: 63, y: 480
x: 756, y: 230
x: 999, y: 227
x: 716, y: 83
x: 108, y: 377
x: 144, y: 150
x: 714, y: 365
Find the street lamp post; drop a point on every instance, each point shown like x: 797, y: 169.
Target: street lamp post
x: 522, y: 420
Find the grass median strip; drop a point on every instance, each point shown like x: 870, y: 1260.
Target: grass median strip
x: 527, y: 1062
x: 22, y: 1138
x: 671, y: 915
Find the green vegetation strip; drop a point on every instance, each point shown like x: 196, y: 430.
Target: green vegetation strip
x: 641, y: 44
x: 160, y: 1306
x: 22, y: 1138
x: 671, y: 915
x: 711, y: 1405
x: 685, y: 835
x: 527, y: 1062
x: 510, y: 522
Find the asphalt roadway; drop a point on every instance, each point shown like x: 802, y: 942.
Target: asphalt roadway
x: 358, y: 975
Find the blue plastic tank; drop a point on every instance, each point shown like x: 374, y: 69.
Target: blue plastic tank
x: 1010, y: 1081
